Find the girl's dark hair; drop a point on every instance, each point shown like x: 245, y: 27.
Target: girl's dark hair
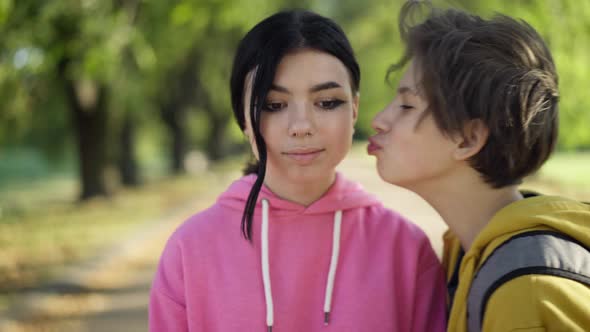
x: 499, y: 71
x: 259, y: 53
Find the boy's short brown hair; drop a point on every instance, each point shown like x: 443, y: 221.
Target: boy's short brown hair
x: 498, y: 71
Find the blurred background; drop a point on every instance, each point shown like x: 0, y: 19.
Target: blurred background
x: 115, y: 119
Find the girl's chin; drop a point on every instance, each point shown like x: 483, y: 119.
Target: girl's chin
x: 310, y: 175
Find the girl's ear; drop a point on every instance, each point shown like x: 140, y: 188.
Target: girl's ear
x: 475, y: 135
x: 250, y: 136
x: 247, y: 134
x: 355, y: 107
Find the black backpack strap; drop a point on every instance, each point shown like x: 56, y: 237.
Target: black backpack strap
x: 535, y: 252
x: 454, y: 281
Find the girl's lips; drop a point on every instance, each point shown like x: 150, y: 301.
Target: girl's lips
x: 373, y: 146
x: 304, y: 156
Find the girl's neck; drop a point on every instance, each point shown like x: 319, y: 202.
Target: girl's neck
x: 299, y: 191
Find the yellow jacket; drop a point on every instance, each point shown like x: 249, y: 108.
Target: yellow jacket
x: 531, y: 302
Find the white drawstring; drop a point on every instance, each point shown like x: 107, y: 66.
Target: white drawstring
x: 333, y: 266
x: 266, y: 271
x: 265, y: 267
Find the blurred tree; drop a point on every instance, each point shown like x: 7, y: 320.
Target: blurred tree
x: 126, y: 154
x: 56, y: 31
x: 81, y: 46
x: 371, y: 27
x: 95, y: 73
x: 194, y: 43
x: 173, y: 28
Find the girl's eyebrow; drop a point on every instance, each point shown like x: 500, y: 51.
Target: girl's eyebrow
x: 279, y: 88
x: 315, y: 88
x: 325, y: 86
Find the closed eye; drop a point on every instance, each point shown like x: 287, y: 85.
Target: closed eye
x: 406, y: 107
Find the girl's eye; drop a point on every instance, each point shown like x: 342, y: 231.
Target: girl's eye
x: 406, y: 107
x: 274, y: 106
x: 330, y: 104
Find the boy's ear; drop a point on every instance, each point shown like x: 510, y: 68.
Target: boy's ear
x: 475, y: 135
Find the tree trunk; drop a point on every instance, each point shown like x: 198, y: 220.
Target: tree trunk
x: 174, y: 117
x: 127, y: 162
x: 216, y: 147
x: 179, y: 149
x: 89, y: 120
x: 91, y: 128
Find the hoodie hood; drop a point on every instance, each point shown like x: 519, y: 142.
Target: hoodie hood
x: 552, y: 213
x: 342, y: 195
x: 539, y: 212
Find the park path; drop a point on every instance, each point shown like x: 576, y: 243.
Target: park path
x: 111, y: 294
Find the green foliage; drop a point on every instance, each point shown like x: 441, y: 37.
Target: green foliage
x: 141, y: 50
x: 5, y: 9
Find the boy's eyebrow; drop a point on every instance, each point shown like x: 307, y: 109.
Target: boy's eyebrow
x: 406, y: 89
x: 315, y: 88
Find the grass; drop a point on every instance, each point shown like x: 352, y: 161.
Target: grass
x: 566, y: 174
x: 41, y: 229
x: 569, y: 168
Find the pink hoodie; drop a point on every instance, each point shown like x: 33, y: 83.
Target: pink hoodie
x: 385, y: 275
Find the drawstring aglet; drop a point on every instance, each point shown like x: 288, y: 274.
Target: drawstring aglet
x: 269, y: 329
x: 326, y: 318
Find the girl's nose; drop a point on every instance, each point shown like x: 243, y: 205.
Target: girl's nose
x: 301, y: 122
